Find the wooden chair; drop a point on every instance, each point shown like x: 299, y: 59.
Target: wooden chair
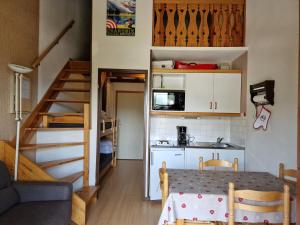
x: 164, y: 183
x: 287, y: 174
x: 259, y: 196
x: 218, y: 163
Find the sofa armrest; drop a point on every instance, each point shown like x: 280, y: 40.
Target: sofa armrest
x: 43, y: 191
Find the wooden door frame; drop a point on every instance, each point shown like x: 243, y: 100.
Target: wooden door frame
x: 101, y: 73
x: 116, y: 104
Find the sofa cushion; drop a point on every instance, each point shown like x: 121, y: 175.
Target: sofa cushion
x: 38, y: 213
x: 8, y: 198
x: 4, y: 176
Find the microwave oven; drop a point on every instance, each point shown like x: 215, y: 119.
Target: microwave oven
x: 168, y: 100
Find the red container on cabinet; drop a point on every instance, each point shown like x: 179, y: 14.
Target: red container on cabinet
x: 195, y: 66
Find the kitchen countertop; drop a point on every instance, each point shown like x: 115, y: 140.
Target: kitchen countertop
x: 206, y: 145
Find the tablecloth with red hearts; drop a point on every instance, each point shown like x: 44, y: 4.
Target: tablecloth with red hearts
x: 196, y: 195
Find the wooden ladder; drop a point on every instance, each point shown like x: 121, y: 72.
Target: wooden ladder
x: 43, y: 120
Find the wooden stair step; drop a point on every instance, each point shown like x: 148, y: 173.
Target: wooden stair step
x: 79, y: 71
x: 79, y: 64
x: 60, y: 114
x: 87, y: 194
x: 72, y: 178
x: 49, y: 164
x: 76, y: 80
x: 49, y: 145
x: 53, y: 129
x: 67, y: 101
x: 72, y: 89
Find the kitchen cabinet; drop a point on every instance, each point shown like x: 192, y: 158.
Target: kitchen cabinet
x: 192, y: 156
x: 213, y: 92
x: 174, y: 158
x: 227, y: 93
x: 230, y: 155
x: 199, y: 92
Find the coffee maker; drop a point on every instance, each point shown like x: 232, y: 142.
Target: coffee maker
x: 181, y: 135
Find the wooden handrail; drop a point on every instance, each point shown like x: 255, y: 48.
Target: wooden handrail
x: 38, y: 60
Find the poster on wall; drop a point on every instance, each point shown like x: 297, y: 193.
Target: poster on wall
x: 120, y: 19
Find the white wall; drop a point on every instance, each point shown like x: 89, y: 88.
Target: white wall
x: 54, y: 16
x: 117, y: 53
x: 272, y: 37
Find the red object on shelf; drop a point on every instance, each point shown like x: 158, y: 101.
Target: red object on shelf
x: 195, y: 66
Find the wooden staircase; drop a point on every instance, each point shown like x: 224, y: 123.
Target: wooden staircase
x: 74, y: 78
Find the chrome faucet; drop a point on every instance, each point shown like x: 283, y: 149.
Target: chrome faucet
x: 219, y: 139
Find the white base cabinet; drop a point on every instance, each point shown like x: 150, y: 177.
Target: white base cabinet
x: 174, y: 159
x: 192, y: 156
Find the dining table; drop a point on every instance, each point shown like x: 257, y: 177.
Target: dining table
x: 203, y: 196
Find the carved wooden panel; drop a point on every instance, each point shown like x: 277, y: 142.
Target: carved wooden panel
x: 181, y: 28
x: 203, y: 23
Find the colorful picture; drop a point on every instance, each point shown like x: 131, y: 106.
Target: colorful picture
x: 120, y: 17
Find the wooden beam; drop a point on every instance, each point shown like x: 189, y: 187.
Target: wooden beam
x: 72, y: 178
x: 193, y: 114
x: 176, y: 71
x: 199, y: 2
x: 54, y: 163
x: 1, y: 151
x: 86, y: 119
x: 49, y: 145
x: 67, y: 101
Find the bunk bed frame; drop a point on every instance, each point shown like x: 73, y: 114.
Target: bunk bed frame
x: 109, y: 129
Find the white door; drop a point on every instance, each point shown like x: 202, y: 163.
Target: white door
x: 229, y: 155
x: 192, y: 156
x: 130, y: 114
x: 227, y: 93
x: 174, y: 159
x: 199, y: 92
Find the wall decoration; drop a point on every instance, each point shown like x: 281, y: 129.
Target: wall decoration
x: 120, y: 19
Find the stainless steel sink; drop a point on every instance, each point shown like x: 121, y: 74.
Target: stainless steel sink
x: 220, y: 145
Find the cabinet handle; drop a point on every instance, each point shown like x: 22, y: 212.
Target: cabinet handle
x: 210, y: 105
x: 178, y: 154
x: 216, y: 105
x: 218, y: 156
x: 213, y: 156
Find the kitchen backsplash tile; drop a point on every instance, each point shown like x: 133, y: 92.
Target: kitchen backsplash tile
x: 238, y: 129
x: 204, y: 129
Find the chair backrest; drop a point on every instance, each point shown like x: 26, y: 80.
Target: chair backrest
x: 218, y: 163
x: 287, y: 174
x: 164, y: 183
x: 259, y: 196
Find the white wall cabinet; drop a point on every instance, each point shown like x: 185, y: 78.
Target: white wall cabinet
x: 213, y: 92
x: 199, y: 92
x: 192, y: 156
x: 227, y: 93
